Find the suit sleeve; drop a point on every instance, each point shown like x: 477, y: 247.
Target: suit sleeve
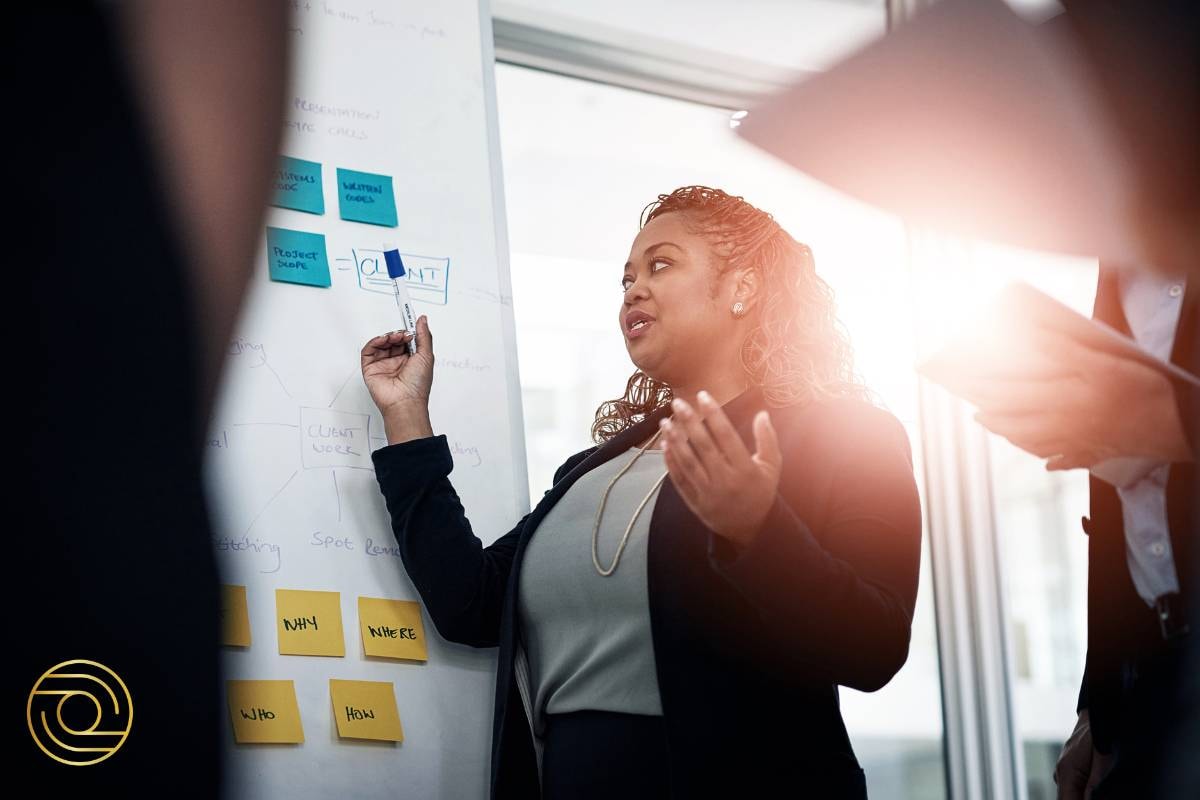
x: 461, y: 582
x: 840, y: 599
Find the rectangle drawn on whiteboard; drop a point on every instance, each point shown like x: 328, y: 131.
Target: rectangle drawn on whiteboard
x: 428, y: 277
x: 366, y: 197
x: 330, y: 438
x: 297, y: 185
x: 297, y: 257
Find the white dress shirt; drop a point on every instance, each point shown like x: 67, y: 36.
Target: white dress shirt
x: 1152, y: 306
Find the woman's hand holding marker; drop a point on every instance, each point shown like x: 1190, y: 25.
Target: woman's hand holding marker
x: 729, y: 489
x: 399, y: 383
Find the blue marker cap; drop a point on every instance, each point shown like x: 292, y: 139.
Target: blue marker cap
x: 394, y: 265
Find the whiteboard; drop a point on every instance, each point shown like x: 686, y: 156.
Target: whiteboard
x: 406, y: 90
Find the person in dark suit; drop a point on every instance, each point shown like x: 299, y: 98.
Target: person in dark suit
x: 1137, y: 430
x: 675, y: 620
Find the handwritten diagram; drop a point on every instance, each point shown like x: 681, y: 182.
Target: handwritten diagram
x: 326, y: 439
x: 427, y: 277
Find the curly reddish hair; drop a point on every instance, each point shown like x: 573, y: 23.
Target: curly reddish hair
x: 796, y: 351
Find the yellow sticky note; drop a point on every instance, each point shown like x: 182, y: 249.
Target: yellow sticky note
x: 366, y: 710
x: 392, y: 628
x: 264, y: 712
x: 235, y: 617
x: 309, y: 623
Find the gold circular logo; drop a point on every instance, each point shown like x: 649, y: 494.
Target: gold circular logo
x: 79, y: 712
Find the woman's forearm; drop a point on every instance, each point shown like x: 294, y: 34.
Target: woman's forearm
x: 406, y: 423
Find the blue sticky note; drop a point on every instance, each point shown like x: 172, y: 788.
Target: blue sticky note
x: 297, y: 185
x: 297, y: 257
x: 366, y: 197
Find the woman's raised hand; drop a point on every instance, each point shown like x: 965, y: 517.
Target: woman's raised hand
x: 726, y: 486
x: 399, y: 383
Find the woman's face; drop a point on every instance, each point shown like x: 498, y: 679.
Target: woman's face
x: 669, y: 282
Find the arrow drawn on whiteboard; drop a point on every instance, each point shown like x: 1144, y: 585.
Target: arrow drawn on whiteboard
x: 272, y: 500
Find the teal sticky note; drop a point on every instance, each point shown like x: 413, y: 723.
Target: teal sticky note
x: 297, y: 257
x: 297, y: 185
x: 366, y: 197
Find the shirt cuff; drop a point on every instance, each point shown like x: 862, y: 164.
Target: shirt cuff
x: 1123, y: 472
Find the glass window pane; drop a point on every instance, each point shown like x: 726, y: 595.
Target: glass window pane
x: 1043, y: 551
x: 808, y: 35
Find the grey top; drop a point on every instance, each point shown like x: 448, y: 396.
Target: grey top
x: 588, y: 636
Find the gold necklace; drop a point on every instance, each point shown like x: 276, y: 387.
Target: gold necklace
x: 600, y: 512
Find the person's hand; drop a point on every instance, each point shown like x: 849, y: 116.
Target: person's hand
x: 399, y: 383
x: 729, y: 489
x: 1080, y: 767
x: 1058, y: 399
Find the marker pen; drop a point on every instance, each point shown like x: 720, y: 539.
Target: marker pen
x: 395, y: 268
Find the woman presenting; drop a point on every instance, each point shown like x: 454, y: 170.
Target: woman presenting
x: 676, y: 614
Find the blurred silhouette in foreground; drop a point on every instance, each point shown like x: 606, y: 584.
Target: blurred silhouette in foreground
x: 148, y: 134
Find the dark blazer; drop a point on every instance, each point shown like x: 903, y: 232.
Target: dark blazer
x: 750, y: 645
x: 1130, y: 668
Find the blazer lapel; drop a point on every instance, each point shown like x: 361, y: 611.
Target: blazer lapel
x: 618, y: 444
x: 509, y: 622
x: 606, y: 452
x: 736, y: 409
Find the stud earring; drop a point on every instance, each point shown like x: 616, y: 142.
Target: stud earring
x: 738, y: 309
